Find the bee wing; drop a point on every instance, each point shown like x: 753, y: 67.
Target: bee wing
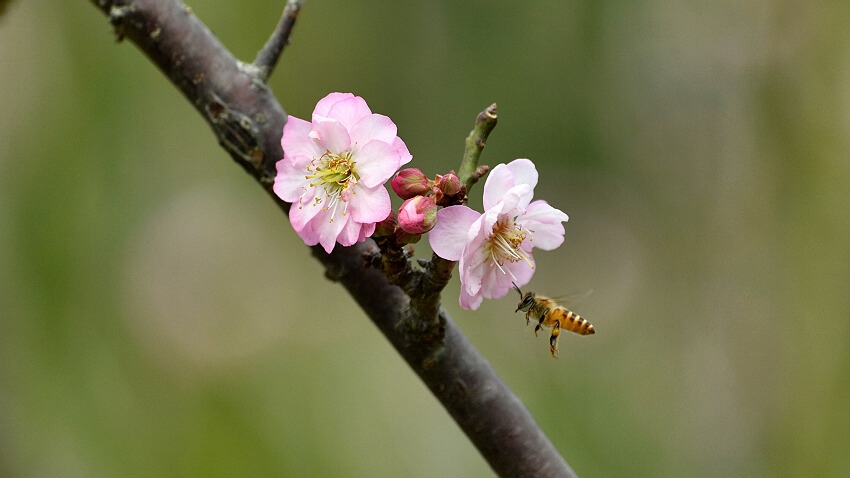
x: 573, y: 297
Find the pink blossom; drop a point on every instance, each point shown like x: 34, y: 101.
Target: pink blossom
x: 334, y: 169
x: 495, y: 248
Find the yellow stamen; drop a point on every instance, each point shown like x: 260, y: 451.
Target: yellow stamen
x: 505, y: 244
x: 335, y: 174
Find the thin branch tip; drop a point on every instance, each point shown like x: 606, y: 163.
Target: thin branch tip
x: 484, y: 123
x: 268, y: 56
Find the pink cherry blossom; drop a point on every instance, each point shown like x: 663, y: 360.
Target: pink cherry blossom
x: 334, y: 169
x: 494, y: 249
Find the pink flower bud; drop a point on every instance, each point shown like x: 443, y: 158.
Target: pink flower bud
x: 409, y: 182
x: 386, y: 227
x: 417, y: 215
x: 449, y: 184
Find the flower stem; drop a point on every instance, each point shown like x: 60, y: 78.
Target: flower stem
x: 470, y: 173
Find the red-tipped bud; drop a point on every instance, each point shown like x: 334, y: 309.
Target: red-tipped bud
x: 409, y: 182
x: 386, y: 227
x: 417, y: 215
x: 449, y: 184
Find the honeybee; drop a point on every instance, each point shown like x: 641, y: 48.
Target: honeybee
x: 549, y: 314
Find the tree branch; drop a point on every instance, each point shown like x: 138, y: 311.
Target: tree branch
x: 247, y: 120
x: 267, y: 57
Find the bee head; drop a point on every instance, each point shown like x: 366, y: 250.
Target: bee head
x: 525, y: 300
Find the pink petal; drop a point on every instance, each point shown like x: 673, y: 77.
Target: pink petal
x: 474, y: 265
x: 514, y: 201
x: 349, y: 111
x: 290, y: 183
x: 506, y: 176
x: 469, y: 302
x: 308, y: 235
x: 545, y: 223
x: 351, y: 233
x: 369, y: 205
x: 332, y: 136
x: 449, y: 235
x: 301, y: 214
x: 327, y: 230
x: 296, y: 141
x: 524, y: 172
x: 366, y: 230
x: 498, y: 283
x: 324, y: 105
x: 376, y: 162
x: 373, y: 127
x: 404, y: 154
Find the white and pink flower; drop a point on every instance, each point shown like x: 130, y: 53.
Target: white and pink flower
x: 494, y: 249
x: 334, y: 169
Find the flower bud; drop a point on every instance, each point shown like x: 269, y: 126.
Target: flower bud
x: 417, y: 215
x: 449, y: 184
x: 409, y: 182
x: 386, y: 227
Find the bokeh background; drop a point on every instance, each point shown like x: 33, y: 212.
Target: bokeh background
x: 159, y: 317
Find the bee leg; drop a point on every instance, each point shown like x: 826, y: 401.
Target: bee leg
x: 553, y: 340
x: 540, y: 322
x: 527, y: 315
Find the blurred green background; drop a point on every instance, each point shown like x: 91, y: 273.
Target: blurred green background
x: 159, y: 317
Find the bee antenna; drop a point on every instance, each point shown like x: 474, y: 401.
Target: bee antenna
x: 517, y: 289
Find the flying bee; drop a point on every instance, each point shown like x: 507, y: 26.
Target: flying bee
x: 548, y: 313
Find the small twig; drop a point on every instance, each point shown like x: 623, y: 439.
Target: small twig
x: 469, y: 172
x: 267, y: 57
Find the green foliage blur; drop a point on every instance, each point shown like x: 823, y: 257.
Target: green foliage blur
x: 159, y: 317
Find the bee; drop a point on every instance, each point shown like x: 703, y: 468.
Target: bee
x: 549, y: 314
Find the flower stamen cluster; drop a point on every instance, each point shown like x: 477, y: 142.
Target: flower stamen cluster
x: 504, y: 244
x: 336, y: 175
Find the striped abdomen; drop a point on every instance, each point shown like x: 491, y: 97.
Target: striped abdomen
x: 571, y: 321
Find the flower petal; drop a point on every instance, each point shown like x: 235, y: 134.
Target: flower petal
x: 403, y: 153
x: 350, y: 233
x: 366, y: 231
x: 514, y: 201
x: 372, y: 127
x: 545, y: 223
x: 498, y: 283
x: 328, y: 230
x: 324, y: 105
x: 449, y: 235
x: 506, y: 176
x: 369, y: 205
x: 308, y: 235
x: 296, y: 141
x: 332, y: 136
x: 290, y: 182
x: 469, y: 302
x: 300, y: 214
x: 376, y: 162
x: 349, y: 111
